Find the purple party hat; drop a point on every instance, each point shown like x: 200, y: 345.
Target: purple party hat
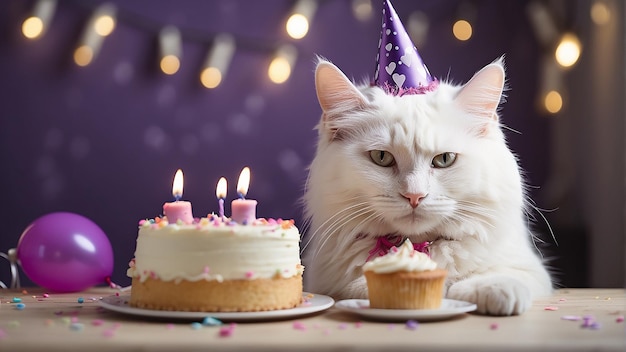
x: 399, y: 67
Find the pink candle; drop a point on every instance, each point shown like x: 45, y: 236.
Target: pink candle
x: 243, y: 210
x: 179, y: 209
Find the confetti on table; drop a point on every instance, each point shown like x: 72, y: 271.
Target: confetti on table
x: 227, y: 331
x: 342, y: 326
x: 16, y: 300
x: 571, y: 317
x: 196, y: 326
x: 411, y: 324
x: 210, y: 321
x: 299, y: 325
x: 80, y: 300
x: 358, y: 324
x: 550, y: 308
x: 77, y: 327
x: 494, y: 326
x: 20, y: 306
x: 619, y: 319
x: 97, y: 322
x: 45, y: 295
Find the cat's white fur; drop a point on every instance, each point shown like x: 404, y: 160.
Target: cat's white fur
x: 473, y: 211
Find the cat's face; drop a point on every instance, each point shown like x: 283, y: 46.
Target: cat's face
x: 420, y: 165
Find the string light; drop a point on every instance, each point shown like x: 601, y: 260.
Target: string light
x: 100, y: 25
x: 553, y: 101
x: 462, y: 28
x: 280, y: 68
x: 568, y: 50
x: 600, y: 13
x: 552, y: 86
x: 299, y: 21
x: 170, y: 47
x: 218, y: 60
x: 35, y: 26
x: 362, y: 9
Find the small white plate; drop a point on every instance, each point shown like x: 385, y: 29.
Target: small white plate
x: 313, y: 303
x: 448, y: 309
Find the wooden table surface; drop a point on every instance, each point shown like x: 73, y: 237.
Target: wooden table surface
x: 60, y: 323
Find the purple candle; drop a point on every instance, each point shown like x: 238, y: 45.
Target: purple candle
x: 220, y: 192
x: 178, y: 209
x: 244, y: 210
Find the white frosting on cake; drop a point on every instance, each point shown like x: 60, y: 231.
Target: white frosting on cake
x: 212, y: 249
x: 403, y: 258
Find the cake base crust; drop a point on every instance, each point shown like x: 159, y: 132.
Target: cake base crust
x: 213, y: 296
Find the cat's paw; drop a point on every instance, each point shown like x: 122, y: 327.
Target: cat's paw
x: 493, y: 295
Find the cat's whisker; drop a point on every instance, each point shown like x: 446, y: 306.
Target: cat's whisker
x: 340, y: 222
x: 334, y: 218
x: 540, y: 212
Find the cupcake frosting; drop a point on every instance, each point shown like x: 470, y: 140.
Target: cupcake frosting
x: 402, y: 258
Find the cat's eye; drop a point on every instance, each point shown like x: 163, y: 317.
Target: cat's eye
x: 444, y: 160
x: 382, y: 158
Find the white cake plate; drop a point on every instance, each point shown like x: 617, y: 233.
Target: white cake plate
x: 449, y: 308
x: 312, y: 303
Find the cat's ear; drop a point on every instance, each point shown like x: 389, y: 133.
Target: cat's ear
x: 482, y: 94
x: 335, y: 92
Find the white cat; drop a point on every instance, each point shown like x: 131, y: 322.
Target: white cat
x: 429, y: 167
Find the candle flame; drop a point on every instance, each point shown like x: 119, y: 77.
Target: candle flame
x: 244, y: 181
x: 177, y: 187
x: 220, y: 192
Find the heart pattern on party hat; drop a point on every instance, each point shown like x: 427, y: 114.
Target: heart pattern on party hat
x: 404, y: 71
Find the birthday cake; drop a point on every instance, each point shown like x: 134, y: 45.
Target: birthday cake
x: 215, y: 264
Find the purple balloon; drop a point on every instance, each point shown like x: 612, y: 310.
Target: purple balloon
x: 65, y: 252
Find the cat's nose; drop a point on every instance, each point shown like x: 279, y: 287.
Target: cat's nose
x: 414, y: 198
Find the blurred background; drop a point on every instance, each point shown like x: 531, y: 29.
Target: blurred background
x: 103, y: 101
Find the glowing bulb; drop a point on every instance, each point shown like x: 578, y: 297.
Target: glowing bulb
x: 462, y: 30
x: 170, y: 49
x: 600, y: 13
x: 568, y: 50
x: 35, y: 26
x: 553, y: 101
x: 297, y: 26
x: 32, y: 27
x: 218, y: 60
x: 211, y: 77
x: 104, y: 25
x: 170, y: 64
x: 83, y: 55
x: 280, y: 68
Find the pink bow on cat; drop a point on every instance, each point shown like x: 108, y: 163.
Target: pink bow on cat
x: 385, y: 243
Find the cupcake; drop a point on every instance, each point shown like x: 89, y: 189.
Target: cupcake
x: 404, y: 279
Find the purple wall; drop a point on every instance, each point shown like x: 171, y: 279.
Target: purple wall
x: 105, y: 140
